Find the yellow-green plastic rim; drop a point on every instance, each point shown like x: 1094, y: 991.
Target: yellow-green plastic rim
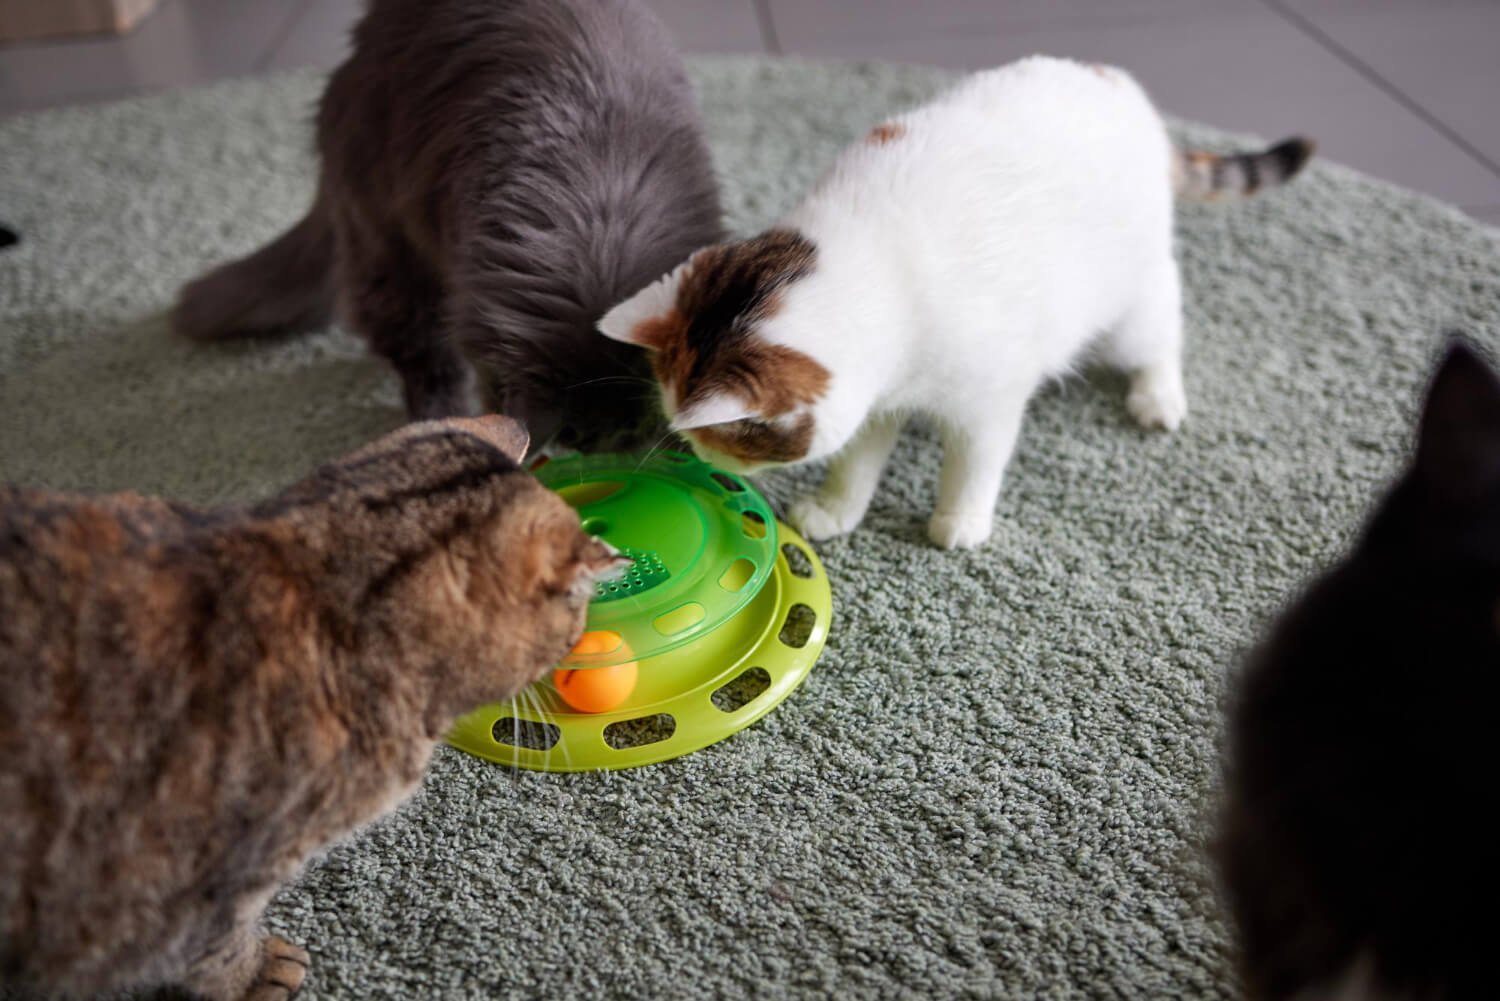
x: 679, y: 684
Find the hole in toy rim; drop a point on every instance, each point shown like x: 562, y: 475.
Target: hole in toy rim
x: 744, y: 689
x: 583, y: 494
x: 512, y: 731
x: 641, y: 731
x: 753, y: 525
x: 798, y: 627
x: 738, y: 575
x: 595, y: 526
x: 797, y: 561
x: 728, y: 482
x: 680, y: 619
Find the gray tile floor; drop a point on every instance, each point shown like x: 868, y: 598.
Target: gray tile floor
x: 1408, y: 90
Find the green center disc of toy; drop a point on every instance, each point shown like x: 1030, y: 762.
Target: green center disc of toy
x: 703, y: 543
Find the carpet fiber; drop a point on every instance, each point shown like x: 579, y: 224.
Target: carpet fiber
x: 994, y: 783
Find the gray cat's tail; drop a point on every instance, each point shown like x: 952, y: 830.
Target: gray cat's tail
x: 285, y: 287
x: 1209, y: 176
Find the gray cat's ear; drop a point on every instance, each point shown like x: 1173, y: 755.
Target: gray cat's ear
x: 637, y: 319
x: 1458, y: 446
x: 505, y: 434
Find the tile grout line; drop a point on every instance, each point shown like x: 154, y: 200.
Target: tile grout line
x: 767, y: 23
x: 293, y: 21
x: 1364, y: 69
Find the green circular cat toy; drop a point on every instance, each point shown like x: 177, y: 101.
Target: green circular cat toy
x: 718, y: 619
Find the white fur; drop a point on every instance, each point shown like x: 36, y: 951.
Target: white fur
x: 719, y: 409
x: 1014, y: 220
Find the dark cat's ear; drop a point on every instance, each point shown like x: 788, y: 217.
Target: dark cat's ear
x: 504, y: 433
x: 1458, y: 446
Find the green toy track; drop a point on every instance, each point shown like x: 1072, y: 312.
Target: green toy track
x: 724, y: 609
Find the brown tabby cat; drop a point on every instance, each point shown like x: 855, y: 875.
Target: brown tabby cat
x: 193, y: 701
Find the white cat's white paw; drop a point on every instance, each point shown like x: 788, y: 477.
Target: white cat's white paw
x: 963, y: 530
x: 818, y: 520
x: 1157, y: 403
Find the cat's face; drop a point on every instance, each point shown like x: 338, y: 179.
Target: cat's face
x: 601, y: 401
x: 455, y: 551
x: 717, y: 329
x: 1358, y: 789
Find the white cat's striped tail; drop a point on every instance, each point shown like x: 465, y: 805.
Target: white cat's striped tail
x: 1208, y: 176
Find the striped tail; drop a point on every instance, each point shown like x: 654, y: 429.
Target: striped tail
x: 1208, y: 176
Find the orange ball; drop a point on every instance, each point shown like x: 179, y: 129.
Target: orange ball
x: 598, y: 641
x: 595, y: 689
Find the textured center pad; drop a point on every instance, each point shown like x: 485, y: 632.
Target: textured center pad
x: 645, y: 572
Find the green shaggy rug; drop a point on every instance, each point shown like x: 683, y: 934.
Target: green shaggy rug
x: 995, y: 782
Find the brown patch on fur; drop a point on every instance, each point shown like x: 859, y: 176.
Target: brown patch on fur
x: 885, y: 134
x: 659, y: 332
x: 1107, y: 72
x: 754, y: 441
x: 708, y: 345
x: 794, y: 379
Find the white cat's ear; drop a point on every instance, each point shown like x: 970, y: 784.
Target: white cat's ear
x: 630, y: 320
x: 719, y: 409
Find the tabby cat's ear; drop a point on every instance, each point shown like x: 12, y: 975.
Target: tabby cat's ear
x: 504, y: 433
x: 640, y: 320
x: 1458, y: 446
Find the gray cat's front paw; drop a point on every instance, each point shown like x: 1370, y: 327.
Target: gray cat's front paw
x: 960, y: 530
x: 818, y: 520
x: 282, y: 970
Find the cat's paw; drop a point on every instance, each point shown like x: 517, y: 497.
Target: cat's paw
x: 818, y: 520
x: 282, y: 970
x: 960, y: 530
x: 1157, y: 403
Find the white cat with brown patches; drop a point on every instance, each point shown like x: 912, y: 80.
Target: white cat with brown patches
x: 949, y: 263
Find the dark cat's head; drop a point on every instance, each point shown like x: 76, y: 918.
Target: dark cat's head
x: 433, y: 546
x: 718, y: 330
x: 596, y: 401
x: 1356, y: 848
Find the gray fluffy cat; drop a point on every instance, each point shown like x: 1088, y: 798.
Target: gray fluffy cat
x: 495, y: 175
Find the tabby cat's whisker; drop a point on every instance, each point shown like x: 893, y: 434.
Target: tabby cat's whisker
x: 515, y: 724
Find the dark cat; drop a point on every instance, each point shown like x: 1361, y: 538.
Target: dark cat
x: 1357, y: 850
x: 495, y: 175
x: 196, y: 701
